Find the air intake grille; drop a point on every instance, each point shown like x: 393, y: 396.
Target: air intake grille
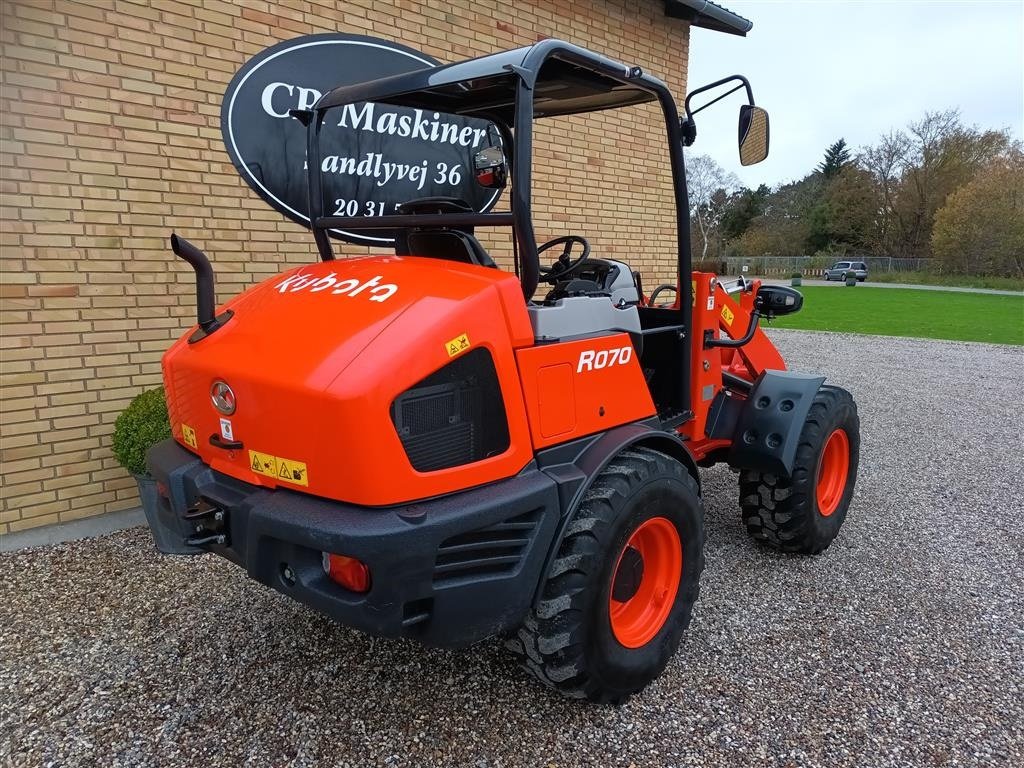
x: 492, y: 551
x: 454, y: 416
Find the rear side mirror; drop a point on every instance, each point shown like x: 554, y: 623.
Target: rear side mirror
x: 773, y: 300
x: 490, y: 169
x: 753, y: 134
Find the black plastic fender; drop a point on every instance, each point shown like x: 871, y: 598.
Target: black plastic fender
x: 768, y: 427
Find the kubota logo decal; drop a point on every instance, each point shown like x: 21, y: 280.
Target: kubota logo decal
x: 378, y: 291
x: 591, y: 360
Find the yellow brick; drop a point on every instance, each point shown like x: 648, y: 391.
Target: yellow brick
x: 33, y: 522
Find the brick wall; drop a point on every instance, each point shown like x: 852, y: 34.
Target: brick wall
x: 110, y: 139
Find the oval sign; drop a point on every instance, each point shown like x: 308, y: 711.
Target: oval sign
x: 373, y: 156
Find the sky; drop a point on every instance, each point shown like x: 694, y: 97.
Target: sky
x: 826, y: 69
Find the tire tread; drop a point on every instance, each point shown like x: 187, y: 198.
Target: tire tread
x: 549, y: 644
x: 780, y: 512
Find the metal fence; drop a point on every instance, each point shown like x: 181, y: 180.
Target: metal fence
x: 812, y: 266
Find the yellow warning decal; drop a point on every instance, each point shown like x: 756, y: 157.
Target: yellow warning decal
x: 189, y: 436
x: 288, y: 470
x: 457, y: 345
x: 693, y: 292
x: 263, y: 464
x: 292, y: 471
x: 727, y: 315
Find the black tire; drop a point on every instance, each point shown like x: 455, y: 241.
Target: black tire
x: 567, y: 640
x: 783, y: 513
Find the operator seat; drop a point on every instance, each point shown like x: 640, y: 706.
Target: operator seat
x: 600, y: 277
x: 599, y: 297
x: 441, y: 242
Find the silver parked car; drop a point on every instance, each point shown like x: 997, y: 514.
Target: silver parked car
x: 838, y: 270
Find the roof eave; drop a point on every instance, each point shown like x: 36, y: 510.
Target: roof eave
x: 702, y: 13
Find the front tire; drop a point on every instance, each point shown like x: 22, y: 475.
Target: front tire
x: 803, y: 513
x: 619, y: 594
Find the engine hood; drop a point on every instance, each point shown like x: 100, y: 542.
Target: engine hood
x: 314, y: 357
x: 315, y: 319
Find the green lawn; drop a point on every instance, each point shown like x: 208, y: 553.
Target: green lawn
x: 1000, y: 283
x: 908, y: 312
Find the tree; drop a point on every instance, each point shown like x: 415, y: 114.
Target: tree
x: 980, y: 229
x: 918, y: 169
x: 836, y: 158
x: 885, y: 162
x: 742, y: 208
x: 781, y: 230
x: 887, y: 201
x: 708, y: 186
x: 847, y: 214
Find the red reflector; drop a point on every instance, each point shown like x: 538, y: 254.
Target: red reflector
x: 162, y: 489
x: 350, y: 573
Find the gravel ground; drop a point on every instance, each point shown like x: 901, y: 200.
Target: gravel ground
x: 902, y: 645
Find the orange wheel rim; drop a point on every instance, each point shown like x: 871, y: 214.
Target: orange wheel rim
x: 646, y: 575
x: 833, y: 470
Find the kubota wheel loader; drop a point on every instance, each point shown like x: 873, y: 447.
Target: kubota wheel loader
x: 417, y: 446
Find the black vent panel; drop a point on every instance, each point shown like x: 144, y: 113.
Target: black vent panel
x: 454, y: 416
x: 492, y: 551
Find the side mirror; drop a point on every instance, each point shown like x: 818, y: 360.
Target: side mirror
x: 772, y: 300
x: 753, y: 134
x: 489, y: 168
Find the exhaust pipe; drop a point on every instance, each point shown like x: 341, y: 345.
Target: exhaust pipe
x: 206, y: 315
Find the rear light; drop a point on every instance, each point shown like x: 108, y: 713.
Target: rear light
x: 350, y: 573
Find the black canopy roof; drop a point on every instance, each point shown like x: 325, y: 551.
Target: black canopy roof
x: 565, y: 78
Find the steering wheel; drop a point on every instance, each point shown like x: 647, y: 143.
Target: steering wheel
x: 561, y: 268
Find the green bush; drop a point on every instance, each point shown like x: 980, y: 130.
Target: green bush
x: 797, y: 274
x: 141, y: 425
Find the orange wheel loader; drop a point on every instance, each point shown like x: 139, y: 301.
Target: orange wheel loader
x: 422, y: 445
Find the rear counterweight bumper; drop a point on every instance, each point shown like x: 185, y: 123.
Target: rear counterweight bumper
x: 447, y: 572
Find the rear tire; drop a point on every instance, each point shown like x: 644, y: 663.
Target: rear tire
x: 606, y: 623
x: 804, y: 513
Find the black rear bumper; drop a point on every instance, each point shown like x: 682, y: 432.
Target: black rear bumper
x: 447, y: 572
